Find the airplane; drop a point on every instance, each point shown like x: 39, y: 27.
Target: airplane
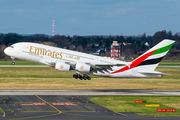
x: 86, y: 64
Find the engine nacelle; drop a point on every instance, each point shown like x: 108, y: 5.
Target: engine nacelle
x: 62, y: 66
x: 82, y: 67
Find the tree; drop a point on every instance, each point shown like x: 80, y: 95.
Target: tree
x: 61, y: 41
x: 108, y: 43
x: 120, y: 39
x: 100, y: 43
x: 158, y: 37
x: 143, y: 37
x: 49, y: 43
x: 2, y: 47
x: 129, y: 39
x: 84, y: 43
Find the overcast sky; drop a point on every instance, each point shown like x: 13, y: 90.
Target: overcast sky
x: 89, y: 17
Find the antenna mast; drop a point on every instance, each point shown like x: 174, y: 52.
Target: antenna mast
x: 53, y: 24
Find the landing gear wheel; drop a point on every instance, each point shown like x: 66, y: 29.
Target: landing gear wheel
x: 75, y: 76
x: 80, y: 77
x: 84, y: 77
x: 13, y: 63
x: 89, y: 78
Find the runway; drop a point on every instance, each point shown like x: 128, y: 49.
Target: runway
x: 56, y: 104
x: 90, y: 92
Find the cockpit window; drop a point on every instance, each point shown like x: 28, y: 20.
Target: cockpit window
x: 11, y: 46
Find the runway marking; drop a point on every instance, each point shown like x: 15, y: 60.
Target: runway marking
x: 151, y: 105
x: 35, y: 104
x: 63, y: 104
x: 48, y: 103
x: 61, y: 111
x: 166, y: 110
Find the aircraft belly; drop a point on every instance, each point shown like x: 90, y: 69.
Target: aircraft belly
x: 96, y: 73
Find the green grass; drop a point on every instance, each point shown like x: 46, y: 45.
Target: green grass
x: 49, y: 78
x: 126, y: 104
x: 34, y: 72
x: 49, y: 72
x: 18, y: 63
x: 169, y: 64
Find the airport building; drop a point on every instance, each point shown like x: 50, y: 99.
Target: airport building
x: 115, y: 50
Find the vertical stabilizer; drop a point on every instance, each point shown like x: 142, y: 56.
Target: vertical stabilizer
x: 151, y: 58
x: 154, y: 55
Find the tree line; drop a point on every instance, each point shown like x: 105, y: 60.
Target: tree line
x: 90, y: 44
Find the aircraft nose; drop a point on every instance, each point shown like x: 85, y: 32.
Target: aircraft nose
x: 6, y: 51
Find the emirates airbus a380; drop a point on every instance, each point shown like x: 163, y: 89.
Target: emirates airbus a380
x: 85, y: 64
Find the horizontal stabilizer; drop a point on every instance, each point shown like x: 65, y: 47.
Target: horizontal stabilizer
x: 152, y: 73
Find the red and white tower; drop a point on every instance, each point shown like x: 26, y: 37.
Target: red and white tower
x: 53, y: 24
x: 115, y: 50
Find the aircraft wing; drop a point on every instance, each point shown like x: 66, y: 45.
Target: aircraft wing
x: 53, y: 63
x: 101, y: 66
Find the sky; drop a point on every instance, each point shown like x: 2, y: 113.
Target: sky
x: 89, y: 17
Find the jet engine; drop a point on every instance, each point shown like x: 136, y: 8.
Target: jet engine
x: 62, y: 66
x: 82, y: 67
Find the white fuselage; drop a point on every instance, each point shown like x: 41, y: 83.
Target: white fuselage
x: 48, y: 55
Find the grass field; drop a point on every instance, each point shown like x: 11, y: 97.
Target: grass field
x: 18, y: 63
x: 169, y: 63
x: 49, y: 78
x: 127, y: 104
x: 32, y: 63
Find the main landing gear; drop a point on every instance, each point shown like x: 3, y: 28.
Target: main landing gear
x: 85, y: 77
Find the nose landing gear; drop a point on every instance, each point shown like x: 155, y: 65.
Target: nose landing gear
x: 85, y: 77
x: 13, y: 62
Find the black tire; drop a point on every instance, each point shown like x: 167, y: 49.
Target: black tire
x: 84, y: 77
x: 89, y: 78
x: 13, y: 63
x: 80, y: 77
x: 74, y: 76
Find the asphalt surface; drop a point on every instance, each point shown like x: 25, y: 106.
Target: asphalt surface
x: 55, y: 107
x: 90, y: 92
